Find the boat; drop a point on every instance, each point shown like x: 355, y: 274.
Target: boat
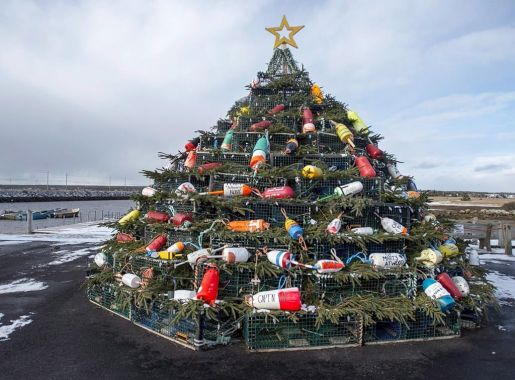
x: 11, y: 215
x: 22, y: 215
x: 65, y: 213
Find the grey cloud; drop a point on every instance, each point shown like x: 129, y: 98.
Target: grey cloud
x: 489, y: 167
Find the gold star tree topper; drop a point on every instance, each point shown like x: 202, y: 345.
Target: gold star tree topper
x: 279, y: 39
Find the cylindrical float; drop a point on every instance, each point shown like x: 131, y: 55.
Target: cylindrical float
x: 191, y: 160
x: 462, y: 285
x: 148, y: 191
x: 192, y: 144
x: 448, y: 284
x: 157, y: 216
x: 208, y: 166
x: 133, y: 215
x: 260, y: 126
x: 227, y: 143
x: 393, y: 227
x: 363, y: 230
x: 312, y: 172
x: 124, y: 238
x: 208, y: 290
x: 358, y: 124
x: 260, y: 152
x: 185, y: 189
x: 181, y: 220
x: 328, y: 266
x: 235, y: 255
x: 374, y: 152
x: 281, y: 259
x: 436, y: 291
x: 100, y: 259
x: 282, y: 299
x: 157, y: 243
x: 256, y: 225
x: 131, y: 280
x: 278, y: 108
x: 352, y: 188
x: 365, y: 168
x: 430, y: 257
x: 281, y: 192
x: 387, y: 260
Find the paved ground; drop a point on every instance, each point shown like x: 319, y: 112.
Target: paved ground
x: 69, y: 338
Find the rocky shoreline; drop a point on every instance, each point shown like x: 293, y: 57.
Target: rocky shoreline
x: 29, y: 194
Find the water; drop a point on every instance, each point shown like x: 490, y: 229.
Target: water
x: 89, y: 211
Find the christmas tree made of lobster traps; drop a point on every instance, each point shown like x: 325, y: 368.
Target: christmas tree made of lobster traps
x: 287, y: 227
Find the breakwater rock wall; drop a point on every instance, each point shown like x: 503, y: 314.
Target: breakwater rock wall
x: 57, y: 193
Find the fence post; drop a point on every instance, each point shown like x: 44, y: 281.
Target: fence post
x: 506, y: 232
x: 29, y: 221
x: 485, y: 243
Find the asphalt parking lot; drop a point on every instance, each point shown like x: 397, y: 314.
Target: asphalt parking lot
x: 69, y: 338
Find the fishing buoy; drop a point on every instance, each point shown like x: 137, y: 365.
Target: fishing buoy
x: 208, y: 166
x: 449, y: 285
x: 133, y: 215
x: 157, y: 243
x: 352, y: 188
x: 317, y: 94
x: 100, y: 259
x: 366, y: 170
x: 172, y: 251
x: 185, y: 189
x: 344, y: 133
x: 462, y: 285
x: 260, y: 126
x: 181, y: 220
x: 430, y: 257
x: 393, y: 171
x: 235, y: 255
x: 192, y: 144
x: 449, y: 250
x: 287, y: 299
x: 148, y: 191
x: 294, y: 230
x: 387, y: 260
x: 124, y: 238
x: 429, y: 218
x: 257, y: 225
x: 413, y: 194
x: 157, y: 216
x: 328, y: 266
x: 308, y: 125
x: 260, y: 152
x: 392, y: 227
x: 278, y: 108
x: 436, y: 291
x: 191, y: 160
x: 309, y: 128
x: 202, y: 255
x: 363, y: 230
x: 335, y: 225
x: 312, y: 172
x: 412, y: 186
x: 281, y: 259
x: 233, y: 190
x: 281, y: 192
x: 291, y: 146
x: 358, y: 124
x: 374, y: 152
x: 227, y: 143
x: 474, y: 258
x: 208, y: 290
x: 131, y: 280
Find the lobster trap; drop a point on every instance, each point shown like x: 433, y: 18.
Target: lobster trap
x: 299, y: 331
x: 235, y: 158
x: 339, y: 161
x: 240, y: 240
x: 283, y: 160
x: 245, y: 141
x: 278, y: 140
x: 399, y: 213
x: 112, y: 298
x: 271, y: 211
x: 210, y: 141
x: 192, y: 332
x: 334, y: 289
x: 222, y: 126
x: 424, y: 327
x: 238, y: 281
x: 219, y: 179
x: 315, y: 188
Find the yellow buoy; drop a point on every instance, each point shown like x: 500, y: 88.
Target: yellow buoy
x: 312, y: 172
x: 317, y: 93
x: 358, y: 124
x: 133, y: 215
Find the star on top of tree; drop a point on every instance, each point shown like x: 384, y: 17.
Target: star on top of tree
x: 281, y: 39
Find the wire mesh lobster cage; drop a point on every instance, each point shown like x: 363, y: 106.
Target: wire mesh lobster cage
x: 223, y: 125
x: 322, y: 249
x: 172, y: 234
x: 271, y: 211
x: 399, y: 213
x: 112, y: 298
x: 424, y: 327
x: 237, y: 281
x: 315, y: 188
x: 259, y: 182
x: 174, y: 180
x: 270, y: 332
x: 283, y: 160
x: 210, y: 141
x: 194, y: 333
x: 334, y: 289
x: 245, y: 141
x: 239, y: 240
x: 341, y: 161
x: 278, y: 140
x: 236, y: 158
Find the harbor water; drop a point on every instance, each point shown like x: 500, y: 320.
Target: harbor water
x: 89, y: 211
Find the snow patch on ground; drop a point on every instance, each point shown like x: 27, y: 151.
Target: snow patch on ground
x: 75, y: 234
x: 505, y: 285
x: 22, y: 285
x: 499, y: 258
x: 68, y: 256
x: 11, y: 242
x: 6, y: 330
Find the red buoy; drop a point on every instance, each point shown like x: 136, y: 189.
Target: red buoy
x: 208, y: 291
x: 364, y: 167
x: 278, y: 108
x: 180, y: 219
x: 209, y: 166
x: 374, y: 152
x: 157, y: 243
x: 260, y: 126
x: 449, y: 285
x: 282, y: 192
x: 157, y: 216
x: 124, y: 238
x: 192, y: 144
x: 191, y: 160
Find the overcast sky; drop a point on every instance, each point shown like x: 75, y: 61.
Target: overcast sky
x: 96, y: 89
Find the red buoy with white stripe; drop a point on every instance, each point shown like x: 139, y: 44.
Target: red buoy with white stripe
x: 281, y: 299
